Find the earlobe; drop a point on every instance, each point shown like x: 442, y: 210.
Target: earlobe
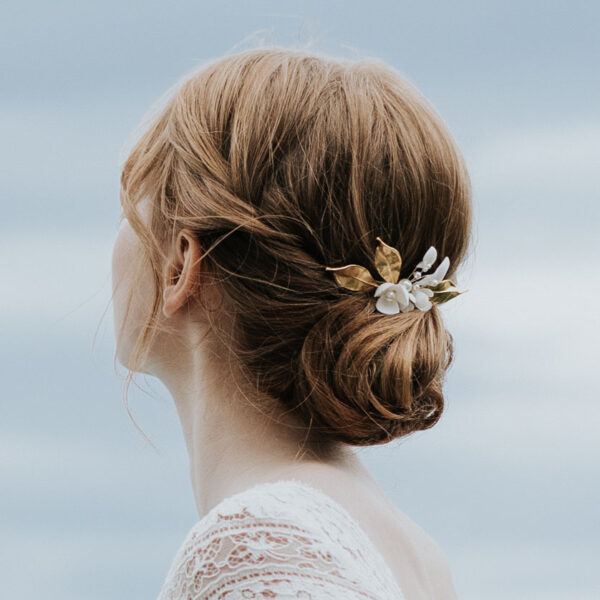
x: 170, y: 301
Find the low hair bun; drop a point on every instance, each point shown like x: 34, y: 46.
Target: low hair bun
x: 365, y: 378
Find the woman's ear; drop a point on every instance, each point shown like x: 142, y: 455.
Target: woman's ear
x: 182, y: 273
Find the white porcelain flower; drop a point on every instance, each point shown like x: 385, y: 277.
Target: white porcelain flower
x: 393, y: 297
x: 428, y: 259
x: 438, y: 275
x: 418, y: 291
x: 420, y: 297
x: 407, y: 295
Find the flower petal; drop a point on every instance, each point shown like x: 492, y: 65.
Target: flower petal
x: 422, y: 301
x: 387, y: 307
x: 402, y: 295
x: 383, y: 287
x: 410, y: 306
x: 442, y: 269
x: 438, y: 275
x: 428, y: 259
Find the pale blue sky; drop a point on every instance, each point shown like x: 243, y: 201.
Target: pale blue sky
x: 506, y: 482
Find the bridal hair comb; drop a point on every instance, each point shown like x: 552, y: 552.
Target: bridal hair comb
x: 418, y: 291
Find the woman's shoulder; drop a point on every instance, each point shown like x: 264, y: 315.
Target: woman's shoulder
x: 277, y: 537
x: 416, y: 561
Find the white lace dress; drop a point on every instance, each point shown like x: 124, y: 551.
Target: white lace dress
x: 279, y: 540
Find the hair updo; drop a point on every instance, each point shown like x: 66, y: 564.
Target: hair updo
x: 283, y: 162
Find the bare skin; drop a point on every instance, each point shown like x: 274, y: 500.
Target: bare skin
x: 232, y: 444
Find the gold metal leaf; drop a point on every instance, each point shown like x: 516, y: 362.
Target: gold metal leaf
x: 444, y: 291
x: 388, y: 262
x: 353, y: 277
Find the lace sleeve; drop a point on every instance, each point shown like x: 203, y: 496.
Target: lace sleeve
x: 242, y: 556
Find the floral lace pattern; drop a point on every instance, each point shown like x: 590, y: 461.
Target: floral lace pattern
x: 279, y: 540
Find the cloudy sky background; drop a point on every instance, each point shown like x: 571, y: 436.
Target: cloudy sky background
x: 507, y: 482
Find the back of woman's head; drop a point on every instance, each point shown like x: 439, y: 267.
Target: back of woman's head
x: 283, y: 162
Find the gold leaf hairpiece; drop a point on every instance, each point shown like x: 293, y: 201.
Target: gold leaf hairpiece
x: 388, y: 262
x: 418, y: 291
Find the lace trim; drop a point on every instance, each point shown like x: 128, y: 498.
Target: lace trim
x: 251, y: 546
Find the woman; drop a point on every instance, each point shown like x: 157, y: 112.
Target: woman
x: 275, y: 271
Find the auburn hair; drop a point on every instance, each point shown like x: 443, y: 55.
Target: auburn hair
x: 282, y: 162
